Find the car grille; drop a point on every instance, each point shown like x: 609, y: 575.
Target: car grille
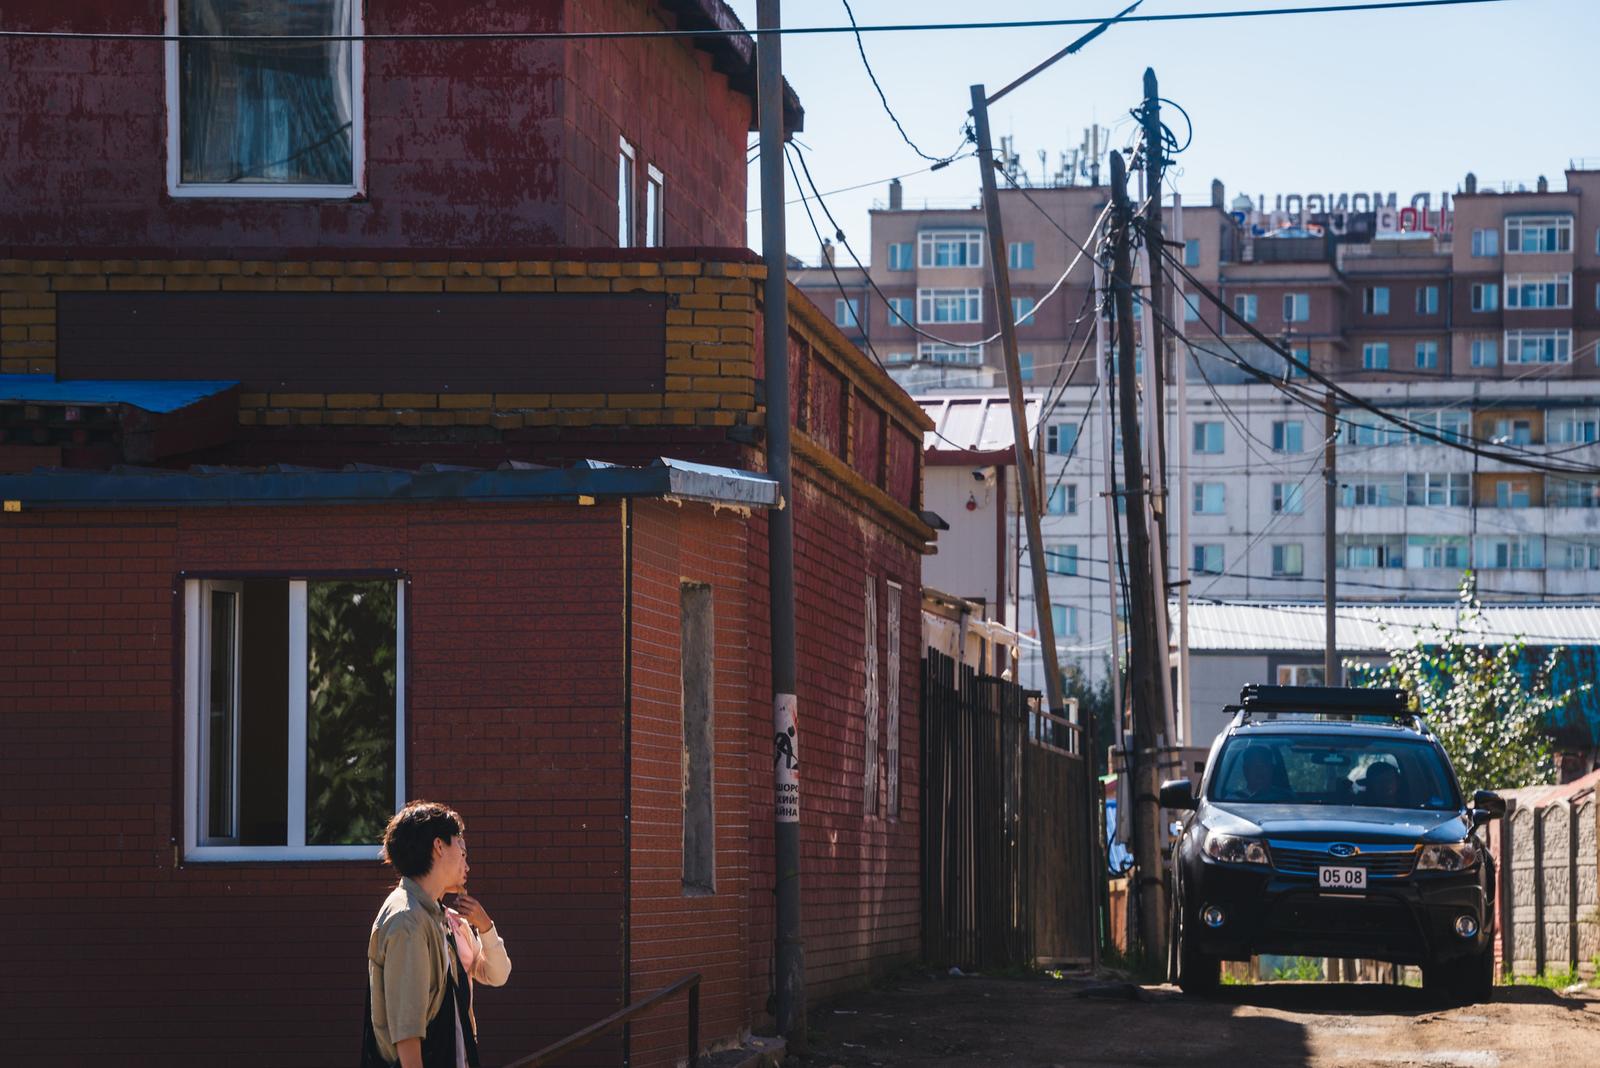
x: 1385, y: 862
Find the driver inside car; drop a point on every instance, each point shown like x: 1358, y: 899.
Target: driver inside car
x: 1382, y: 785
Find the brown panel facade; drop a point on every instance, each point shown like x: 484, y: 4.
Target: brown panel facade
x: 378, y: 342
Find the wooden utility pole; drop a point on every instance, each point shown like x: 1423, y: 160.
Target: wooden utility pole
x: 1330, y: 503
x: 1147, y: 650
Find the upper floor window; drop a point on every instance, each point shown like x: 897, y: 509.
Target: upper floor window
x: 626, y: 198
x: 846, y: 312
x: 1538, y: 346
x: 1427, y: 300
x: 1020, y: 255
x: 950, y: 248
x: 1244, y: 306
x: 1060, y: 438
x: 654, y: 207
x: 933, y: 352
x: 1375, y: 356
x: 1485, y: 351
x: 1515, y: 431
x: 1427, y: 353
x: 1288, y: 498
x: 1485, y: 296
x: 1581, y: 427
x: 901, y: 310
x: 1375, y: 300
x: 1538, y: 291
x: 1208, y: 437
x: 949, y: 306
x: 1539, y: 233
x: 1061, y: 559
x: 1296, y: 307
x: 1022, y: 310
x: 1063, y: 500
x: 1451, y: 424
x: 1025, y: 366
x: 1191, y: 252
x: 1288, y: 435
x: 1207, y: 559
x: 1210, y: 498
x: 1191, y: 307
x: 1485, y: 243
x: 264, y: 118
x: 900, y: 256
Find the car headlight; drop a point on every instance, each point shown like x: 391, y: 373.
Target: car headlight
x: 1458, y: 856
x: 1232, y: 849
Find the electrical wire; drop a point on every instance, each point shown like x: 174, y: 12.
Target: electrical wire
x: 937, y: 161
x: 861, y: 185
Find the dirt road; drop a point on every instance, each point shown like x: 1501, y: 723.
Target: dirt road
x: 941, y: 1021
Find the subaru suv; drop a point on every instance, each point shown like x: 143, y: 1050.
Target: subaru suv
x: 1329, y: 823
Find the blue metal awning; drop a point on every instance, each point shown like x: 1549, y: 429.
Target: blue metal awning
x: 214, y: 487
x: 152, y: 396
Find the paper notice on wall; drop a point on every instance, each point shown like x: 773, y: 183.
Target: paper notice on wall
x: 785, y: 760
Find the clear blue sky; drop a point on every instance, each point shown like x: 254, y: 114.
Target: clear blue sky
x: 1397, y: 100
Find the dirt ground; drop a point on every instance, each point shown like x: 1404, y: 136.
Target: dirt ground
x: 1040, y: 1023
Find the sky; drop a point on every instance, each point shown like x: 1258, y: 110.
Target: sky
x: 1402, y: 101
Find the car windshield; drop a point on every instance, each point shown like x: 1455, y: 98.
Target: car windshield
x: 1322, y: 769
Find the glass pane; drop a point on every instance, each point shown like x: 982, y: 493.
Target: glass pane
x: 266, y: 111
x: 351, y: 678
x: 220, y: 716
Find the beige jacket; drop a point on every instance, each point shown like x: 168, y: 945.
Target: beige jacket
x: 406, y: 961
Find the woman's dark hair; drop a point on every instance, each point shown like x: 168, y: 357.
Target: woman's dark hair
x: 408, y: 840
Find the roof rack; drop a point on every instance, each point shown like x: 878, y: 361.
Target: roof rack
x: 1262, y: 702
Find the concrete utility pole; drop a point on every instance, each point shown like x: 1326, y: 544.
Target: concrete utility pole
x: 1148, y: 652
x: 1330, y: 503
x: 789, y: 946
x: 1185, y: 710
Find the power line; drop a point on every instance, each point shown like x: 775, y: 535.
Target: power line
x: 853, y: 188
x: 937, y: 161
x: 716, y: 32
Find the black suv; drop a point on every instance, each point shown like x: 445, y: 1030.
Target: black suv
x: 1329, y: 823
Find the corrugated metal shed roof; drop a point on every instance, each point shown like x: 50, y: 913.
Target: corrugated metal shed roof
x: 1237, y: 627
x: 975, y: 422
x: 152, y: 396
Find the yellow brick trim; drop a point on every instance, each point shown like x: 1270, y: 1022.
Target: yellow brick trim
x: 466, y: 400
x: 410, y: 400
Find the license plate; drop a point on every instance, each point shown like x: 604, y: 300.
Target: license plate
x: 1341, y: 878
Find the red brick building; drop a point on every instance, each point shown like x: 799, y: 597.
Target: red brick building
x: 310, y: 508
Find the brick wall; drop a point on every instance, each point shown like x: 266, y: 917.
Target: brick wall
x: 515, y: 711
x: 673, y: 931
x: 469, y: 144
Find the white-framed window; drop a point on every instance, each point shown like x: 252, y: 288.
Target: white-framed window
x: 870, y: 699
x: 1207, y: 559
x: 1061, y: 559
x: 627, y: 196
x: 934, y: 352
x: 1509, y: 552
x: 1375, y: 356
x: 1515, y: 431
x: 1486, y: 295
x: 265, y: 119
x: 1302, y: 356
x: 1063, y: 499
x: 1427, y: 300
x: 1452, y: 424
x: 1288, y: 435
x: 1485, y: 243
x: 1427, y: 354
x: 1375, y: 300
x: 899, y: 357
x: 655, y: 219
x: 1289, y: 559
x: 1296, y: 307
x: 1437, y: 550
x: 1302, y: 675
x: 1191, y: 307
x: 1025, y: 366
x: 1485, y: 351
x: 1370, y: 551
x: 950, y: 248
x: 1288, y: 498
x: 1538, y: 346
x: 1059, y: 438
x: 1208, y: 437
x: 1538, y: 291
x: 1019, y: 255
x: 1513, y: 493
x: 1572, y: 493
x: 1064, y: 618
x: 1244, y: 306
x: 1372, y: 491
x: 1438, y: 489
x: 1581, y: 427
x: 949, y: 306
x: 1577, y: 556
x: 1538, y: 233
x: 1191, y: 252
x: 902, y: 310
x: 1022, y: 310
x: 1210, y: 498
x: 846, y: 312
x: 294, y: 717
x: 1370, y: 430
x: 901, y: 256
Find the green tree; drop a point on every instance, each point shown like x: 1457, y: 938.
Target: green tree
x: 1492, y: 718
x: 1094, y: 704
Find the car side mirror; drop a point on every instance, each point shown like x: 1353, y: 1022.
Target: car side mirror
x: 1178, y: 794
x: 1487, y: 805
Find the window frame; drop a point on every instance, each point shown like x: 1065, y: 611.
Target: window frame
x: 1486, y: 296
x: 971, y: 299
x: 902, y: 310
x: 1484, y: 351
x: 1022, y: 309
x: 853, y: 306
x: 1282, y: 435
x: 1280, y: 559
x: 1246, y: 306
x: 1560, y: 340
x: 627, y: 193
x: 1202, y: 433
x: 1288, y: 498
x: 1370, y: 350
x: 1428, y: 350
x: 655, y: 206
x: 1552, y: 284
x: 1486, y: 243
x: 196, y: 620
x: 929, y: 240
x: 1200, y: 551
x: 1020, y: 256
x: 1191, y: 252
x: 176, y: 187
x: 1199, y: 498
x: 1371, y: 299
x: 1296, y: 307
x: 1558, y: 223
x: 902, y: 262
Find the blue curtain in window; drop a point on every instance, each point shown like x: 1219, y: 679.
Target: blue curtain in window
x: 267, y: 111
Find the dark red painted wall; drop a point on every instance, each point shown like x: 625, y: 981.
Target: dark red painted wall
x: 469, y: 144
x: 515, y: 709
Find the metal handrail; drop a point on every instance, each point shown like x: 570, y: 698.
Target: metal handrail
x: 622, y: 1016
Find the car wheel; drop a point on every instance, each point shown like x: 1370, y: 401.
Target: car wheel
x: 1461, y: 982
x: 1199, y: 974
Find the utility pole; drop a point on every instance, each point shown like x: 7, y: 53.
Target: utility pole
x: 1185, y: 709
x: 789, y: 945
x: 1330, y: 503
x: 1148, y: 653
x: 1000, y: 274
x: 1108, y: 454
